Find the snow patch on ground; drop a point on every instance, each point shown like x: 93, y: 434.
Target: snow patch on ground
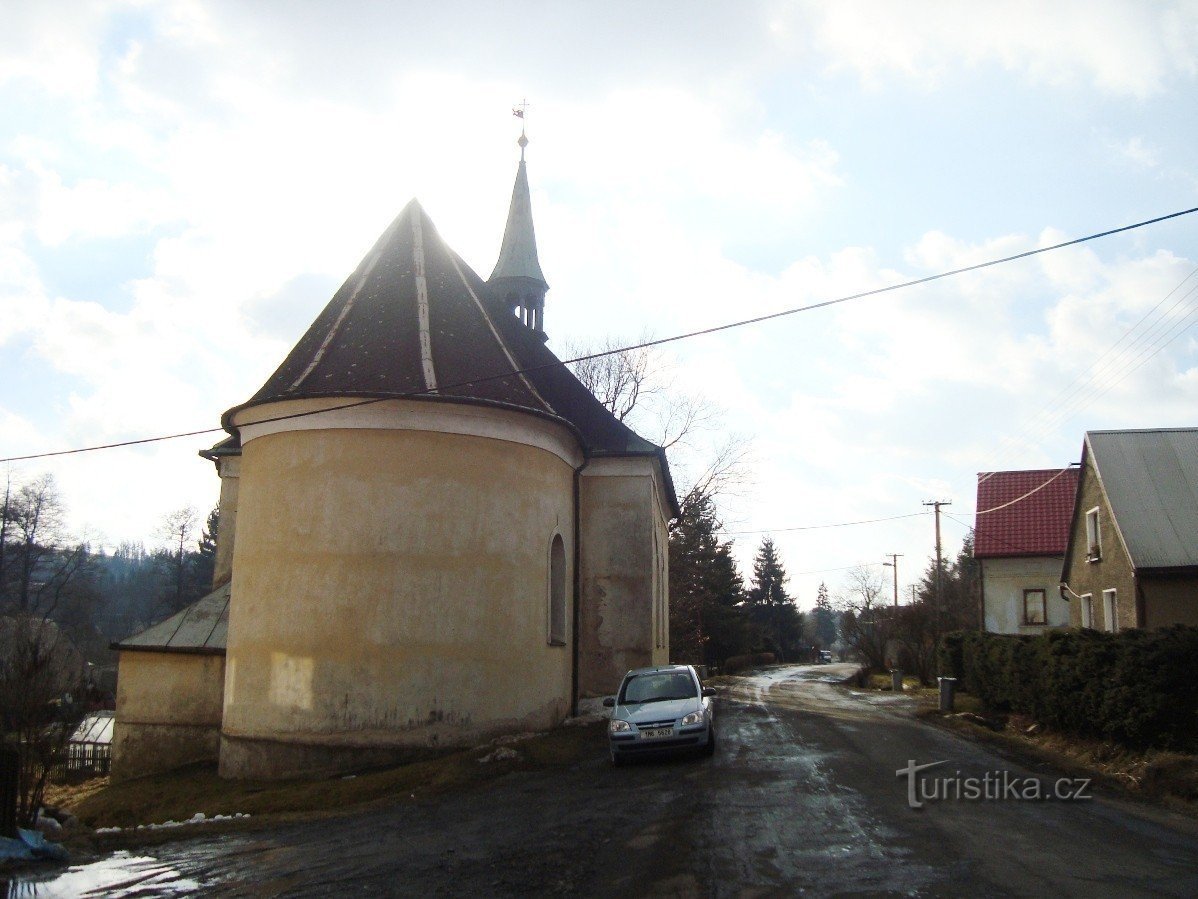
x: 197, y: 818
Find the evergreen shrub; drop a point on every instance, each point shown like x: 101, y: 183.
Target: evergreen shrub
x: 1136, y: 687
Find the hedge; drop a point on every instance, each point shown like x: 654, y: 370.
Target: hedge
x: 1136, y: 687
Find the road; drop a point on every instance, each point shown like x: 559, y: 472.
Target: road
x: 802, y: 797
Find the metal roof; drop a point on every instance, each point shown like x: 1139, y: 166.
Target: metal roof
x: 94, y: 728
x: 518, y: 251
x: 1151, y: 481
x: 1032, y: 512
x: 203, y: 627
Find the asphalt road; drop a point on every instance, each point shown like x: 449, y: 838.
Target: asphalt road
x: 801, y: 797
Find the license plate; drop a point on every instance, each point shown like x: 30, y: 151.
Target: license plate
x: 657, y: 733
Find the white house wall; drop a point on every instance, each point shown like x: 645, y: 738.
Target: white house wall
x: 1003, y: 583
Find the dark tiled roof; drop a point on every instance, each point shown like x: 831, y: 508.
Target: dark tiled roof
x: 202, y: 627
x: 1035, y: 526
x: 1151, y: 481
x: 415, y: 321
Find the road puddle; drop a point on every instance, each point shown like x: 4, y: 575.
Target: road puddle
x: 119, y: 875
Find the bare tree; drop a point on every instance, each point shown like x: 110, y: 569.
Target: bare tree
x: 36, y: 515
x: 638, y: 387
x: 177, y: 531
x: 618, y: 380
x: 43, y: 681
x: 915, y: 631
x: 866, y: 623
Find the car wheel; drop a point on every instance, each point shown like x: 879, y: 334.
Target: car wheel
x: 709, y: 749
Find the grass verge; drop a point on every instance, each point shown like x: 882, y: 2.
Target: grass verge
x: 1169, y: 779
x: 178, y: 795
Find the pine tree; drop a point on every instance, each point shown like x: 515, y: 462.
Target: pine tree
x: 771, y: 607
x: 205, y: 561
x: 825, y: 618
x: 707, y: 624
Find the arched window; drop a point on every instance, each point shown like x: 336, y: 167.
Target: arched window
x: 557, y: 592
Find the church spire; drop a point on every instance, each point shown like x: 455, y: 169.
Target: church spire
x: 517, y: 280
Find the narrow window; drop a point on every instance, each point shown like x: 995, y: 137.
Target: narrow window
x: 557, y: 592
x: 1093, y: 536
x: 1110, y: 608
x: 1087, y: 610
x: 1033, y: 606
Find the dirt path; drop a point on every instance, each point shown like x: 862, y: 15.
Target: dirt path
x: 801, y: 797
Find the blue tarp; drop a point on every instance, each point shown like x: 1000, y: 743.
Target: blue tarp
x: 31, y: 846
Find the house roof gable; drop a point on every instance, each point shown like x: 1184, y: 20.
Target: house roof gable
x: 1150, y: 479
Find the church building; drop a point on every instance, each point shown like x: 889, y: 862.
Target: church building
x: 430, y: 533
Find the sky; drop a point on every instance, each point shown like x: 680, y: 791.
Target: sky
x: 184, y: 185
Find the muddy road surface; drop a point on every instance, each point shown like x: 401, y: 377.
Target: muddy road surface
x: 801, y: 798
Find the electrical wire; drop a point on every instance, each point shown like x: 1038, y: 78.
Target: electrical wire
x: 1073, y: 397
x: 820, y: 527
x: 1007, y: 543
x: 645, y: 344
x: 1020, y: 499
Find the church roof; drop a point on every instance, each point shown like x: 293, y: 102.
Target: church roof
x: 415, y: 321
x: 202, y: 628
x: 518, y: 252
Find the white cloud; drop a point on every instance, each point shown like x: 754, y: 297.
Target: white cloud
x: 1122, y: 47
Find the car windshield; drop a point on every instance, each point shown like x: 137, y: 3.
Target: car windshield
x: 658, y: 687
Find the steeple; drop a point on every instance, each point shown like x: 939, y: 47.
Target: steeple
x: 517, y: 280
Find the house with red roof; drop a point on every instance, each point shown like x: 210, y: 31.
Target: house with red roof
x: 1021, y: 531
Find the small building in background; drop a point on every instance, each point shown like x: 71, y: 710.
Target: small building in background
x: 171, y: 689
x: 1132, y: 555
x: 1020, y: 533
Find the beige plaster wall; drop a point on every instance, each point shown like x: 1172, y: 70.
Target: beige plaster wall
x: 229, y: 468
x: 624, y: 614
x: 168, y: 711
x: 1170, y: 601
x: 1004, y: 581
x: 1112, y: 571
x: 391, y: 590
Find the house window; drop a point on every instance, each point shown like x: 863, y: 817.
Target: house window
x: 1093, y: 536
x: 1087, y: 610
x: 1110, y: 609
x: 1034, y: 606
x: 557, y: 592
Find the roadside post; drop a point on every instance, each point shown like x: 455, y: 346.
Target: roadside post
x: 10, y: 770
x: 896, y: 680
x: 947, y: 687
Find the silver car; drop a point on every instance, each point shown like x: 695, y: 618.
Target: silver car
x: 663, y: 709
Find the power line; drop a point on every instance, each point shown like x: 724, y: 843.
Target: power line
x: 645, y: 344
x: 820, y: 527
x: 1020, y: 499
x: 1004, y: 542
x: 1073, y: 397
x: 842, y: 568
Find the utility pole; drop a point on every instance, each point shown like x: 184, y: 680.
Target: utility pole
x: 893, y: 563
x: 936, y: 504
